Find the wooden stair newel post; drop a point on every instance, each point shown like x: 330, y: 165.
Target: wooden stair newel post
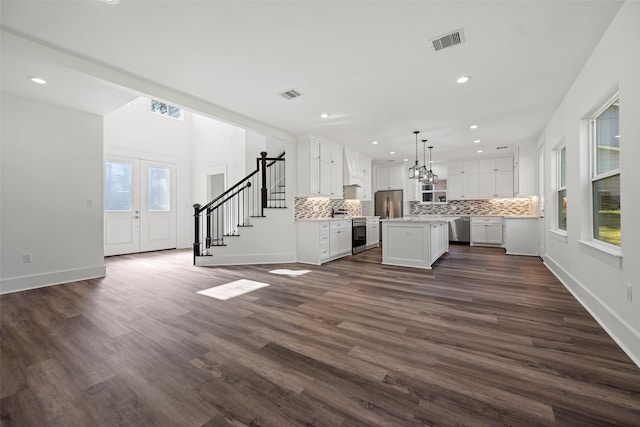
x: 263, y: 188
x: 196, y: 230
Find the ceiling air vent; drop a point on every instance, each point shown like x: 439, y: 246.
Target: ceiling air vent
x: 451, y: 39
x: 291, y: 93
x: 502, y: 147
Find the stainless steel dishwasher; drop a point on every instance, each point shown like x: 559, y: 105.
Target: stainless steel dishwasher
x: 460, y: 230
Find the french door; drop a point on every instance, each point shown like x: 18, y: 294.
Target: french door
x: 139, y: 205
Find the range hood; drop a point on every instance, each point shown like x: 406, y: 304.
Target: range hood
x: 352, y: 176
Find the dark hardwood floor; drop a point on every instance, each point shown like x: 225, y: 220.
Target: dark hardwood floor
x: 482, y: 339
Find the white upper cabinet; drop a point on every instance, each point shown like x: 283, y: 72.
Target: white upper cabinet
x: 389, y: 178
x: 462, y: 180
x: 525, y: 171
x: 478, y: 179
x: 495, y: 177
x: 319, y: 167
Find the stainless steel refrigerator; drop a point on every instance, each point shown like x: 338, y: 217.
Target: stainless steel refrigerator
x: 388, y: 204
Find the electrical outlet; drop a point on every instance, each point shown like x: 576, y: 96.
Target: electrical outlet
x: 27, y: 257
x: 629, y: 292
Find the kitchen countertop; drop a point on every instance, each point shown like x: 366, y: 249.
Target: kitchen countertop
x: 423, y: 218
x: 480, y: 215
x: 336, y: 219
x: 323, y: 219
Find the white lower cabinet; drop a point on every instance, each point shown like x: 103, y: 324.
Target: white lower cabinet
x: 486, y: 231
x: 322, y: 241
x: 373, y: 232
x: 521, y: 236
x: 439, y: 240
x: 339, y: 238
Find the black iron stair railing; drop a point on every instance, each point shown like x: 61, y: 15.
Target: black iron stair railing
x: 234, y: 208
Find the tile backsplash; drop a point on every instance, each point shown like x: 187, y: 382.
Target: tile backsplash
x: 517, y: 206
x: 310, y: 207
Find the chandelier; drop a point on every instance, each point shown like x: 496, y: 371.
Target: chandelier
x: 426, y: 175
x: 414, y: 171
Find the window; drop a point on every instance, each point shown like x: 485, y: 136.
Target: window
x: 166, y: 109
x: 562, y: 188
x: 434, y: 192
x: 605, y: 173
x: 117, y: 182
x: 159, y: 189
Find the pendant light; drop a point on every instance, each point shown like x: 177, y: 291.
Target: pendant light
x: 427, y: 176
x: 414, y: 171
x: 423, y: 169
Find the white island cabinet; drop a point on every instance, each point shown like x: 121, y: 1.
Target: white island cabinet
x: 414, y: 241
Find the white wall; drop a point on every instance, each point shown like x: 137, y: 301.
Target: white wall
x: 527, y: 169
x: 254, y: 145
x: 51, y: 173
x: 134, y: 131
x: 598, y: 280
x: 215, y: 146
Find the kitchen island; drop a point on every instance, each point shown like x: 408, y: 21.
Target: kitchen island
x: 415, y: 241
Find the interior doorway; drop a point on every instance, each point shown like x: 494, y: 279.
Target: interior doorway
x: 139, y: 205
x: 215, y: 185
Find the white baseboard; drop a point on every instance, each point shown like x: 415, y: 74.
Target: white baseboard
x: 222, y: 259
x: 620, y: 331
x: 23, y: 283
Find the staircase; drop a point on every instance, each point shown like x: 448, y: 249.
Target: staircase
x: 224, y: 218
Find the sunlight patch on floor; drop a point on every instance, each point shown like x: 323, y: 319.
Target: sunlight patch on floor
x: 232, y: 289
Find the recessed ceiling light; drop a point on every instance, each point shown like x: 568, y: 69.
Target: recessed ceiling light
x: 473, y: 127
x: 374, y: 142
x: 479, y: 151
x: 617, y: 136
x: 111, y: 1
x: 324, y: 115
x: 38, y: 80
x: 477, y: 141
x: 463, y: 79
x: 392, y: 152
x: 405, y: 160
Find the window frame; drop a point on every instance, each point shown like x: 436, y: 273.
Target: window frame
x: 560, y: 186
x: 168, y: 107
x: 433, y: 191
x: 594, y: 176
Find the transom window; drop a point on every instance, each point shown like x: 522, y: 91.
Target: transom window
x: 166, y: 109
x: 605, y: 173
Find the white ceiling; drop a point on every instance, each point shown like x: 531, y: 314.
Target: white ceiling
x: 369, y: 65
